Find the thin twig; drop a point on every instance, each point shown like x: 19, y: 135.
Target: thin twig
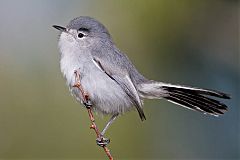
x: 94, y: 126
x: 90, y: 114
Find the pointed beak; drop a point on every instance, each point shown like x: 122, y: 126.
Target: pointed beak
x: 60, y: 28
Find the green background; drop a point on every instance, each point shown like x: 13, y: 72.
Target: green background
x: 191, y: 42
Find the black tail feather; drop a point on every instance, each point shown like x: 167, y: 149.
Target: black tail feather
x: 196, y: 99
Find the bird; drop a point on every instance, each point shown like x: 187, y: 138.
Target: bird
x: 112, y: 83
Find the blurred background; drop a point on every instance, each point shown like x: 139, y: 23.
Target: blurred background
x: 187, y: 42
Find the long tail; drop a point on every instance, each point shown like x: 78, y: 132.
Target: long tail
x: 192, y: 98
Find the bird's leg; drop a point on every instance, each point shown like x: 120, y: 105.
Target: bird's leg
x: 101, y: 141
x: 86, y: 101
x: 112, y: 119
x: 88, y: 104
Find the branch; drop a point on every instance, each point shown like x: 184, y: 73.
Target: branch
x: 94, y: 126
x: 88, y: 105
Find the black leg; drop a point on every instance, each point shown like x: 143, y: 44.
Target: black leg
x: 101, y: 141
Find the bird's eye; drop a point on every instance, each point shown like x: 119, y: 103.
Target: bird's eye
x: 80, y: 35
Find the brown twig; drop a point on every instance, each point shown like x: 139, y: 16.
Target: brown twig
x: 90, y: 114
x: 94, y: 126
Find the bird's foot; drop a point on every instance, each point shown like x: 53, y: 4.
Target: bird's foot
x: 102, y: 142
x: 86, y: 100
x: 87, y: 103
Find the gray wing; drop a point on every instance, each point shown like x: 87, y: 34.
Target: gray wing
x: 120, y: 75
x: 116, y: 62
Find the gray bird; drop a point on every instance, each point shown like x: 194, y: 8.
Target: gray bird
x: 113, y: 84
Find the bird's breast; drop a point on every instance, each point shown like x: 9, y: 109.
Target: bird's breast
x: 106, y: 95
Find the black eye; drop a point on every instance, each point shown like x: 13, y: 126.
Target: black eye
x: 80, y: 35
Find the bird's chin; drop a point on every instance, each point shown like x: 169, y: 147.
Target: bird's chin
x: 66, y: 43
x: 68, y: 38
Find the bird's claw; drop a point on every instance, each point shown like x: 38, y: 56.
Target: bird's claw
x: 87, y: 104
x: 102, y: 142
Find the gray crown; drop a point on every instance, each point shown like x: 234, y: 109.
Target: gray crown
x: 87, y: 23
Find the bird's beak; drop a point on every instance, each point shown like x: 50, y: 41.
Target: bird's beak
x: 60, y: 28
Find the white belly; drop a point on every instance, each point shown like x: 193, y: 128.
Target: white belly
x: 105, y: 94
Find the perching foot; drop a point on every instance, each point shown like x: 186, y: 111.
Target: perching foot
x: 102, y: 142
x: 87, y: 104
